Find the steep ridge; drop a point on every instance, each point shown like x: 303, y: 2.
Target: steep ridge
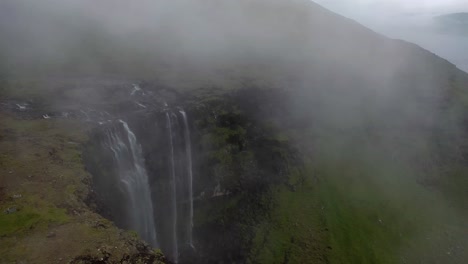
x: 152, y: 157
x: 228, y: 162
x: 270, y: 131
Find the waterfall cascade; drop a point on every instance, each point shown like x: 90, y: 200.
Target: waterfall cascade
x: 155, y: 192
x: 173, y: 184
x: 188, y: 152
x: 133, y: 181
x: 180, y: 182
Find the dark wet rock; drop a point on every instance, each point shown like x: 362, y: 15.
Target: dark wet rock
x: 234, y: 123
x: 11, y: 210
x: 25, y: 110
x: 143, y: 257
x: 100, y: 225
x: 2, y: 193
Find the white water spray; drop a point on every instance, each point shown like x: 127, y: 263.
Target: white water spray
x: 175, y: 250
x: 188, y: 152
x: 133, y: 181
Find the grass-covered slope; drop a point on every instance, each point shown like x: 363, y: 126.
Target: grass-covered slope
x: 43, y: 188
x: 380, y: 125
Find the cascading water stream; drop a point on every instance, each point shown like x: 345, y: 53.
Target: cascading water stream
x: 188, y: 152
x: 164, y: 179
x: 175, y: 249
x: 133, y: 181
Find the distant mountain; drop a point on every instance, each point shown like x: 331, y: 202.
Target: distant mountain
x: 455, y: 23
x: 461, y: 18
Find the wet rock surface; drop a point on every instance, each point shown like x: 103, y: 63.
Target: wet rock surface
x: 237, y: 156
x: 43, y: 182
x: 144, y: 256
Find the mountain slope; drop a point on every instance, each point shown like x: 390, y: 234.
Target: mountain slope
x: 371, y: 132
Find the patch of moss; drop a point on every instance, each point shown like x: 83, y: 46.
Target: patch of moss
x: 18, y: 221
x: 43, y: 177
x: 25, y: 218
x: 294, y: 233
x: 454, y: 186
x: 246, y: 158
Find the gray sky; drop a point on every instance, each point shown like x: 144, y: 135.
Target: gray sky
x: 372, y: 8
x: 410, y: 20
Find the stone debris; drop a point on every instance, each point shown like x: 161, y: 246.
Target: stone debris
x: 21, y: 107
x: 11, y: 210
x: 136, y: 88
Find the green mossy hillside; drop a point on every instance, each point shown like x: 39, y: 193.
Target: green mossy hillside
x: 242, y: 159
x: 43, y: 186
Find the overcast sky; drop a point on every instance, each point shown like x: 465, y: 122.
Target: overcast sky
x: 370, y: 8
x: 410, y: 20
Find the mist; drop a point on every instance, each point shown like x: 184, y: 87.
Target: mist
x: 182, y: 42
x: 415, y: 21
x: 374, y: 126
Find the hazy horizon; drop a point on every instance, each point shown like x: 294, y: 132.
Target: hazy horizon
x: 412, y: 21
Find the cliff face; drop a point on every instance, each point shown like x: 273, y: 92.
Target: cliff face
x: 43, y: 189
x: 211, y: 163
x: 247, y: 131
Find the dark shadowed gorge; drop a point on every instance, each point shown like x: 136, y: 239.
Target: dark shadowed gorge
x: 251, y: 131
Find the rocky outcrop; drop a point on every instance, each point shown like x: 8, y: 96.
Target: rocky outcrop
x: 238, y: 155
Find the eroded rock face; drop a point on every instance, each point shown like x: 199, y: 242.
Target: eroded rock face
x: 230, y: 147
x: 232, y: 139
x: 49, y: 221
x: 139, y: 159
x: 143, y: 255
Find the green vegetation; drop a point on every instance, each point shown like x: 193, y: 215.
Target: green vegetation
x: 365, y: 226
x: 244, y: 159
x: 358, y: 204
x: 26, y: 218
x: 43, y: 186
x: 295, y: 231
x: 362, y: 158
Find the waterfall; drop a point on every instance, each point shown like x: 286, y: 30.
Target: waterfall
x: 188, y: 153
x: 179, y: 184
x: 133, y: 181
x: 175, y: 249
x: 164, y: 179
